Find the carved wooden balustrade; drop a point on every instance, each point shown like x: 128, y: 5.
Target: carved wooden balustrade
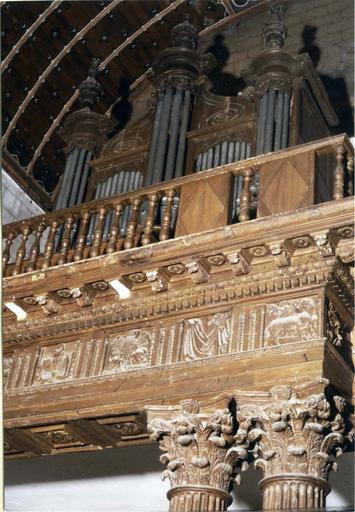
x: 297, y: 177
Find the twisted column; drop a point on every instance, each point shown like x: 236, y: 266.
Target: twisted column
x: 198, y: 452
x: 294, y: 441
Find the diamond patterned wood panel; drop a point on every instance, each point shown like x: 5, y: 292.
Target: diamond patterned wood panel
x: 286, y: 185
x: 204, y: 205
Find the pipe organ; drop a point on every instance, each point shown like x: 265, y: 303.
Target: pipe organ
x: 227, y: 339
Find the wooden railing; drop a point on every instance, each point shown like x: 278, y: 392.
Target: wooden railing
x: 159, y: 212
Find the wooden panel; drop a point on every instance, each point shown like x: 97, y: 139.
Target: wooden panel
x: 286, y: 185
x: 204, y: 205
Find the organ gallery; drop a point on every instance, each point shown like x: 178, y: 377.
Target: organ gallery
x: 190, y: 280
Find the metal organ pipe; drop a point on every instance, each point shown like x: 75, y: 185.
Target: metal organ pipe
x: 270, y: 121
x: 173, y: 134
x: 163, y: 137
x: 77, y: 176
x: 67, y: 170
x: 286, y: 115
x: 154, y: 141
x: 182, y: 137
x: 84, y: 178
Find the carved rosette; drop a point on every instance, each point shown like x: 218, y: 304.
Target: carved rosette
x: 295, y: 442
x: 199, y: 455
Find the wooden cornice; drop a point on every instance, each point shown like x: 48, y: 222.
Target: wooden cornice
x: 26, y: 181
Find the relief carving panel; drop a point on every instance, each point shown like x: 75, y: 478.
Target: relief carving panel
x: 206, y: 337
x: 56, y: 363
x: 289, y: 321
x: 128, y: 351
x: 239, y: 330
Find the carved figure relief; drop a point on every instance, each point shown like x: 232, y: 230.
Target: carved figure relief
x: 55, y: 363
x: 291, y: 320
x: 206, y: 338
x: 128, y: 351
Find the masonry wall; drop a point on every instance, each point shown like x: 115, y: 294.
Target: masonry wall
x: 16, y: 204
x: 330, y: 43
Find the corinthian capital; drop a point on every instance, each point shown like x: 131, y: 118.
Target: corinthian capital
x: 198, y: 452
x: 295, y: 442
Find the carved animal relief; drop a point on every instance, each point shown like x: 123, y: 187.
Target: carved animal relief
x: 291, y: 320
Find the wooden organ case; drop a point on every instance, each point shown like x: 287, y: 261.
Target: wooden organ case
x: 201, y: 296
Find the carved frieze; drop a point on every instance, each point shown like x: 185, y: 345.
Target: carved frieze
x: 128, y: 351
x: 291, y: 320
x: 55, y: 363
x: 206, y: 337
x: 227, y: 332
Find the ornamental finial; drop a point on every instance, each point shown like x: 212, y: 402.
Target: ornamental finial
x: 275, y: 31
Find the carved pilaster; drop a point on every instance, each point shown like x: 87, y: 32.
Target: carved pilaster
x: 199, y: 454
x: 294, y: 441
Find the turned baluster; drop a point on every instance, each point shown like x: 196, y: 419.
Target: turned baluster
x: 99, y: 230
x: 244, y: 212
x: 149, y: 220
x: 66, y: 239
x: 350, y: 169
x: 132, y: 224
x: 115, y: 228
x: 35, y: 249
x: 21, y: 251
x: 48, y: 251
x: 10, y: 236
x: 166, y: 215
x: 81, y: 239
x: 338, y: 184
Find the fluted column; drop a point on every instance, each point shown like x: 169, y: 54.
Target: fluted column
x: 294, y: 441
x: 198, y: 451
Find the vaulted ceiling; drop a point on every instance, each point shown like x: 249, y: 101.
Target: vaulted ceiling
x: 46, y: 52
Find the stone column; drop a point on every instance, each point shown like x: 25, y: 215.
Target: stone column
x: 198, y: 452
x: 294, y: 441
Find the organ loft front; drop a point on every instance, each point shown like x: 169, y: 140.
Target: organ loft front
x: 190, y: 282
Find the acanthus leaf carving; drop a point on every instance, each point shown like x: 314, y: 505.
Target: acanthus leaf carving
x: 290, y: 435
x: 198, y: 448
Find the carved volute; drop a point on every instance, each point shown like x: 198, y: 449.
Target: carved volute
x: 294, y: 441
x: 198, y: 452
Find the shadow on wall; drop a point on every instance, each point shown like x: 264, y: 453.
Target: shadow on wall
x: 247, y: 496
x: 335, y: 86
x: 224, y: 84
x: 110, y: 462
x: 122, y: 110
